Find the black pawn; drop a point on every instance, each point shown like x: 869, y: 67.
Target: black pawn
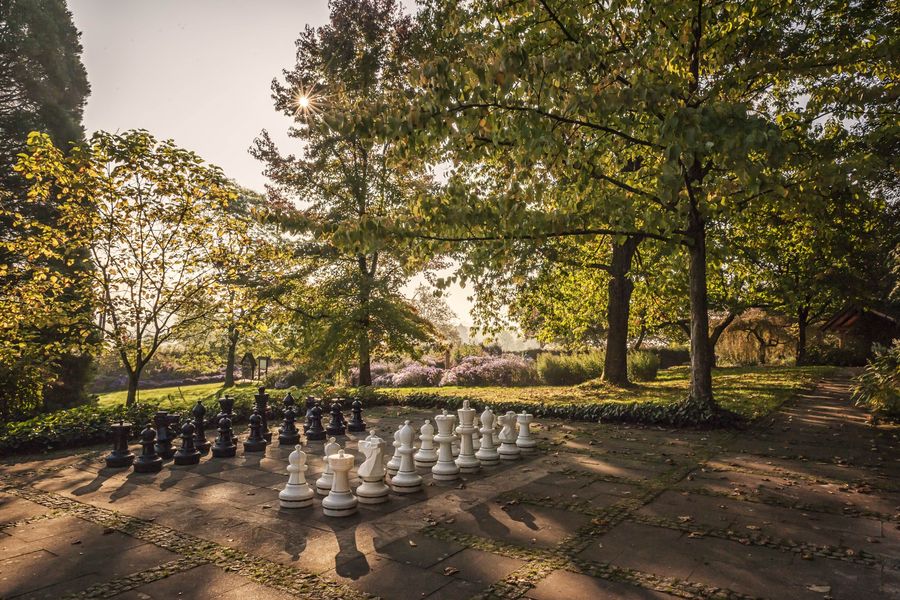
x: 256, y: 441
x: 224, y: 446
x: 164, y: 448
x: 262, y: 407
x: 310, y: 404
x: 120, y: 456
x: 288, y: 434
x: 149, y: 461
x: 315, y: 431
x: 200, y: 442
x: 356, y: 423
x: 188, y: 453
x: 336, y: 426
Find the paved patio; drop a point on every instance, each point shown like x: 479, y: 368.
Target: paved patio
x: 805, y: 505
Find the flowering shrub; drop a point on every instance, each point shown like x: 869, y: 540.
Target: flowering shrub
x: 491, y: 370
x: 378, y: 370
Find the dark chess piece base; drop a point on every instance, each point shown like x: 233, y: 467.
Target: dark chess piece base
x: 290, y: 439
x: 187, y: 459
x: 255, y: 446
x: 117, y: 460
x: 148, y: 466
x: 224, y: 451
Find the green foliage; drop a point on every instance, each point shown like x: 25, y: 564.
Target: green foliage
x: 45, y: 306
x: 69, y: 428
x: 147, y: 212
x: 878, y: 386
x: 569, y: 369
x: 344, y: 289
x: 643, y: 365
x: 21, y: 392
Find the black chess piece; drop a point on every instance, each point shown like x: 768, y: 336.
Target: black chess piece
x: 356, y: 423
x: 262, y: 407
x: 164, y: 436
x: 149, y: 461
x: 200, y: 442
x: 336, y: 426
x: 287, y: 433
x: 188, y: 453
x: 224, y: 446
x: 256, y: 441
x: 226, y: 406
x: 310, y: 403
x: 315, y: 432
x: 288, y: 400
x: 121, y: 456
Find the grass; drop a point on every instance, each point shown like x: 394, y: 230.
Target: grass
x: 749, y: 391
x: 170, y: 398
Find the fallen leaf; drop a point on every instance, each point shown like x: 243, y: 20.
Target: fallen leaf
x: 450, y: 570
x: 821, y: 589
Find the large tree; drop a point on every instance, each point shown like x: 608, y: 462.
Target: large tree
x: 147, y: 211
x: 43, y: 87
x: 658, y: 117
x: 345, y: 184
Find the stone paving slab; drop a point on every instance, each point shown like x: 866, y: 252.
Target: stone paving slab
x: 803, y: 505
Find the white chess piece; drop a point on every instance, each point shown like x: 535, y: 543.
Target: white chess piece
x: 406, y: 481
x: 394, y: 463
x: 426, y: 456
x: 526, y: 443
x: 508, y: 449
x: 487, y: 454
x: 495, y: 435
x: 340, y: 501
x: 323, y: 483
x: 445, y: 469
x: 466, y: 460
x: 373, y: 489
x: 297, y: 493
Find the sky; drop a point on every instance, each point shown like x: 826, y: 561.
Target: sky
x: 199, y: 72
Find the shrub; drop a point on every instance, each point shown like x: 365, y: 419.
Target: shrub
x: 417, y: 375
x: 286, y: 376
x: 491, y: 370
x: 569, y: 369
x: 20, y: 392
x: 643, y: 365
x: 878, y: 386
x: 72, y: 427
x: 377, y: 369
x: 672, y: 356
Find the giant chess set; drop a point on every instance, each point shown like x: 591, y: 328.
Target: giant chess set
x: 447, y: 451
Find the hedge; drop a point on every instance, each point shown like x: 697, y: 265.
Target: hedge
x: 86, y: 425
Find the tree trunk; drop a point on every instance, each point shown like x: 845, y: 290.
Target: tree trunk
x: 133, y: 378
x: 761, y: 352
x: 233, y: 337
x: 701, y: 393
x: 717, y: 332
x: 365, y: 362
x: 618, y: 306
x: 802, y: 324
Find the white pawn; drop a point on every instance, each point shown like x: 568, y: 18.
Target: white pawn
x: 525, y: 442
x: 466, y: 460
x: 373, y: 489
x: 394, y: 463
x: 487, y: 454
x: 508, y: 449
x: 297, y: 493
x: 406, y: 481
x: 445, y: 469
x: 426, y: 456
x: 323, y: 483
x: 340, y: 501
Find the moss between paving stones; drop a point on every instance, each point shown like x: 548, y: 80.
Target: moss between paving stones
x: 265, y: 572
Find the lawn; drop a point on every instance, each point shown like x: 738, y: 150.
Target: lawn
x: 749, y: 391
x: 170, y: 397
